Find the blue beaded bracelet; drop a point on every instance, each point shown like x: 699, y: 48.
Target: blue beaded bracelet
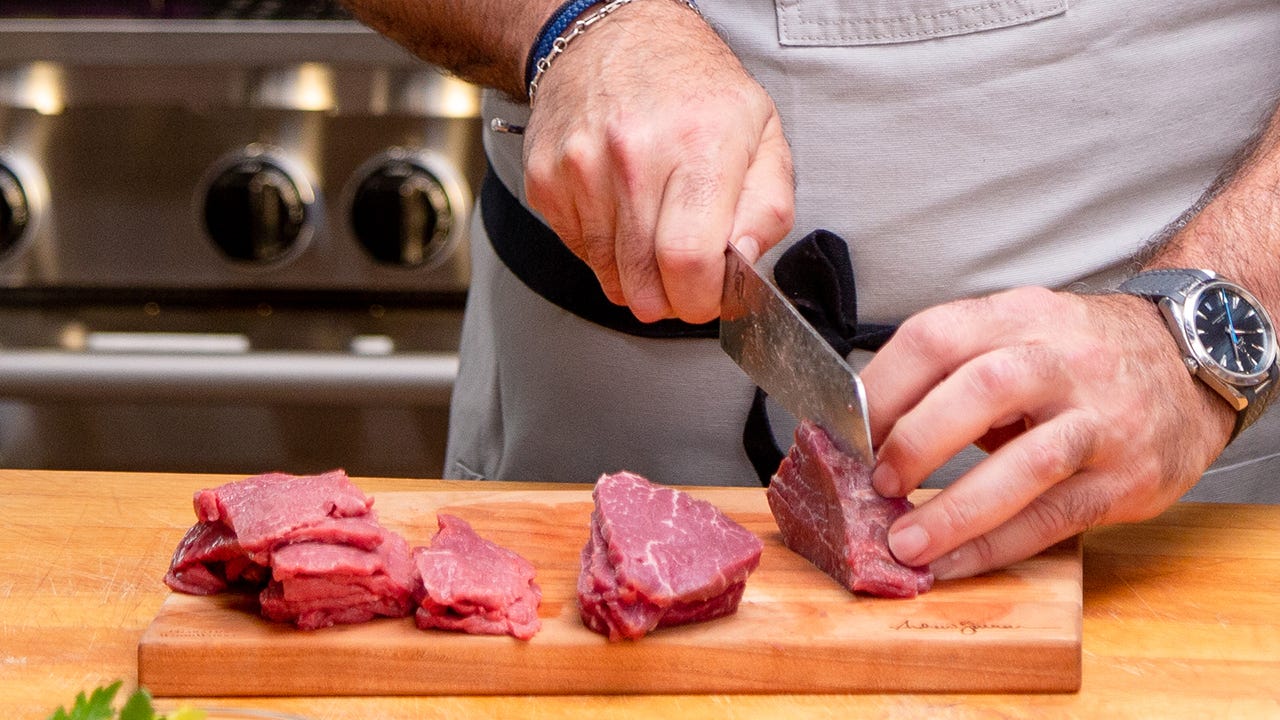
x: 555, y: 27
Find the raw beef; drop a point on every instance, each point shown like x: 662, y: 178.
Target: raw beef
x: 317, y: 584
x: 464, y: 582
x: 310, y: 546
x: 659, y: 557
x: 828, y: 512
x: 275, y: 509
x: 209, y: 559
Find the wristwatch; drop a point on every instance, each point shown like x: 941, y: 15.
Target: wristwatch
x: 1226, y: 337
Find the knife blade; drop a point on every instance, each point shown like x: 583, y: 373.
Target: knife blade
x: 783, y: 354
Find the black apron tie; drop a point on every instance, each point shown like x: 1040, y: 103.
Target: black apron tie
x: 816, y: 275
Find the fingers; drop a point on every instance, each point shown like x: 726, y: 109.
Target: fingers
x: 984, y: 393
x: 1059, y: 513
x: 1009, y: 483
x: 650, y: 206
x: 745, y: 195
x: 933, y: 344
x: 766, y: 206
x: 692, y: 230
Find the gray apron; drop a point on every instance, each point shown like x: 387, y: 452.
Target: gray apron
x: 959, y: 147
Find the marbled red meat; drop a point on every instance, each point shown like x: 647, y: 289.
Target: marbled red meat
x: 311, y: 544
x: 828, y: 512
x: 465, y: 582
x: 316, y: 585
x: 275, y: 509
x: 659, y: 557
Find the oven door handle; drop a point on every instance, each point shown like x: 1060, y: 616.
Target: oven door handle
x: 261, y: 377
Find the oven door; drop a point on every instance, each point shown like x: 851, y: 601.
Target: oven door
x: 204, y: 391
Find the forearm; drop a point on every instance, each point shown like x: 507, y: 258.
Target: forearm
x: 482, y: 41
x: 1235, y: 231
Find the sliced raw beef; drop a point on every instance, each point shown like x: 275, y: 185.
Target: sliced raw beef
x: 310, y: 546
x: 209, y: 559
x: 275, y: 509
x: 659, y: 557
x: 829, y: 513
x: 317, y: 584
x: 464, y: 582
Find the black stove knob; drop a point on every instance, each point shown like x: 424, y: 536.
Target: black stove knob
x: 257, y: 210
x: 404, y: 212
x: 15, y: 209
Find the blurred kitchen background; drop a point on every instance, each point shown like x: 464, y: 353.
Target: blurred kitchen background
x: 232, y: 239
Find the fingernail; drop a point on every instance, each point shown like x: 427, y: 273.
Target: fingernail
x: 906, y: 543
x: 749, y: 247
x: 885, y: 480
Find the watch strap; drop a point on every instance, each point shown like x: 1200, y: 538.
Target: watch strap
x: 1175, y: 284
x: 1259, y: 400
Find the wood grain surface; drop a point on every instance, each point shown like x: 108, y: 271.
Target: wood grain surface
x: 795, y: 631
x: 1181, y: 617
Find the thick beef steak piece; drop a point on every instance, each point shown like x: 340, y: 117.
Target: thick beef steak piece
x: 464, y: 582
x: 829, y: 513
x: 659, y: 557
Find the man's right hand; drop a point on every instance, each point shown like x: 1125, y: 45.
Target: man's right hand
x: 650, y: 149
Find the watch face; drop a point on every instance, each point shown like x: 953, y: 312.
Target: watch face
x: 1237, y: 337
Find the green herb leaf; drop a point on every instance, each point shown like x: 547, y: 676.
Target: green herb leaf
x: 95, y: 707
x: 138, y: 707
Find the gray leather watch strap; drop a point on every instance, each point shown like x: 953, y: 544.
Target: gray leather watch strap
x: 1259, y: 399
x: 1173, y: 284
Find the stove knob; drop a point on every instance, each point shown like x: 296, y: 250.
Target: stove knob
x: 15, y: 209
x: 257, y: 209
x: 407, y: 208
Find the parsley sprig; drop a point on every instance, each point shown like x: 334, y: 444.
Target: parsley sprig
x: 97, y: 706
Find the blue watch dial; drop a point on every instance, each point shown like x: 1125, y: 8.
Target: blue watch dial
x: 1231, y: 330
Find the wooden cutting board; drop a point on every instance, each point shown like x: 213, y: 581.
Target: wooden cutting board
x: 796, y: 631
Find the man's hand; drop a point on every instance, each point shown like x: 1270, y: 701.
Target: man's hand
x: 650, y: 149
x: 1083, y: 402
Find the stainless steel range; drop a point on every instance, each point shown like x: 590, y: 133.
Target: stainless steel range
x: 232, y: 238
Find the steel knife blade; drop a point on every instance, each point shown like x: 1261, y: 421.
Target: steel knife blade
x: 783, y: 354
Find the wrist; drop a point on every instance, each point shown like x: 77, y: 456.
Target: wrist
x: 569, y: 21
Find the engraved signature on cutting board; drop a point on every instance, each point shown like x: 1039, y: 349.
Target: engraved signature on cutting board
x: 964, y: 627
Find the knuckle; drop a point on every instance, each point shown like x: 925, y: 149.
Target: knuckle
x: 539, y: 185
x: 578, y: 158
x: 701, y: 183
x: 1066, y: 513
x: 780, y: 211
x: 956, y: 515
x: 905, y: 446
x: 996, y: 375
x: 984, y: 551
x: 927, y: 333
x: 1027, y: 297
x: 1044, y: 461
x: 682, y: 256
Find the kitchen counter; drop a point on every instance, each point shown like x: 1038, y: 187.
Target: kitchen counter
x: 1181, y: 615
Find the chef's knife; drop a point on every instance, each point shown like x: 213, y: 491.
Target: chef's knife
x: 783, y: 354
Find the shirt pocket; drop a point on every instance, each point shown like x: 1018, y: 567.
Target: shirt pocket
x: 832, y: 23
